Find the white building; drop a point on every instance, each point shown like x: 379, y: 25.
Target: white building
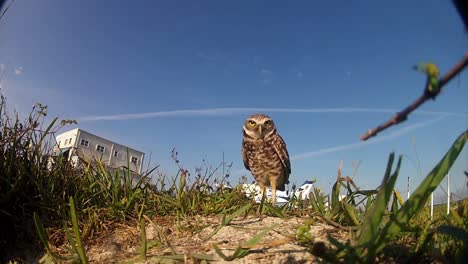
x: 89, y: 147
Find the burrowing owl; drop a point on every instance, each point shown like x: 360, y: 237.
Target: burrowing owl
x: 265, y: 155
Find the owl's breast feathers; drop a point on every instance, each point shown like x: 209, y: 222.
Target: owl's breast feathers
x: 261, y: 155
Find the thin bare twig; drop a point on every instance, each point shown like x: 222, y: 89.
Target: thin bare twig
x: 403, y: 115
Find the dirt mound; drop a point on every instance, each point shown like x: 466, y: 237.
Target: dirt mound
x: 193, y: 241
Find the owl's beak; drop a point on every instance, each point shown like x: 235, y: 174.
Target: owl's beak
x: 260, y: 130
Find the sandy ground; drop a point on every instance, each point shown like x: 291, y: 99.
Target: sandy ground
x: 192, y: 241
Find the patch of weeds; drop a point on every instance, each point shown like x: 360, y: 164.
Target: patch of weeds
x: 376, y: 232
x: 303, y: 234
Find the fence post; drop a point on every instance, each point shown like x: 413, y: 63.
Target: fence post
x: 448, y: 193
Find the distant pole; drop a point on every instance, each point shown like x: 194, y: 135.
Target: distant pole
x: 448, y: 193
x: 223, y: 166
x: 408, y: 188
x: 432, y: 205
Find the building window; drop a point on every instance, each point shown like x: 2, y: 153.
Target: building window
x: 84, y: 142
x: 116, y: 153
x: 100, y: 148
x: 69, y: 140
x: 66, y: 142
x: 134, y: 160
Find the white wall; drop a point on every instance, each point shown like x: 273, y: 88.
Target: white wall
x: 67, y: 139
x: 90, y: 152
x: 122, y: 159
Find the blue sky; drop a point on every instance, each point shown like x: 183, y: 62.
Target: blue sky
x: 158, y: 75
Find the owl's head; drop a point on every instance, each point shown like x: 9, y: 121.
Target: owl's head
x: 259, y: 126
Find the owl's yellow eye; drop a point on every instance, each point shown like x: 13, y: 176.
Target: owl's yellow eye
x: 252, y: 123
x: 267, y: 123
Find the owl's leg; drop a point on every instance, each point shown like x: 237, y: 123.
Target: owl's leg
x: 263, y: 187
x: 263, y: 190
x: 273, y: 192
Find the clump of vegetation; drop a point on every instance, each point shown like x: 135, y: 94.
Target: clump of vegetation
x: 26, y: 184
x: 380, y: 227
x: 61, y: 208
x: 35, y: 193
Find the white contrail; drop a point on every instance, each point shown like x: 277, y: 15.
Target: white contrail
x: 245, y: 110
x: 380, y: 138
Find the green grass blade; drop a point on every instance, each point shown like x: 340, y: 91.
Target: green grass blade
x: 76, y: 231
x: 43, y: 238
x: 240, y: 211
x: 252, y: 242
x: 221, y: 254
x: 319, y: 201
x: 365, y: 192
x: 71, y: 241
x: 350, y: 195
x: 350, y: 213
x: 42, y: 233
x: 373, y: 218
x: 244, y: 249
x: 314, y: 203
x: 227, y: 220
x: 394, y: 207
x: 167, y: 199
x: 398, y: 197
x: 369, y: 202
x: 335, y: 199
x: 223, y: 220
x: 417, y: 200
x: 274, y: 210
x: 144, y: 244
x: 182, y: 257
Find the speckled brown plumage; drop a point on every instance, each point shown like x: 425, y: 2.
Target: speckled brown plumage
x: 264, y: 153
